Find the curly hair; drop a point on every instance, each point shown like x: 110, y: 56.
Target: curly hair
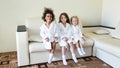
x: 65, y: 14
x: 48, y: 11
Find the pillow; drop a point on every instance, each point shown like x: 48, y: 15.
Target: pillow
x: 101, y: 31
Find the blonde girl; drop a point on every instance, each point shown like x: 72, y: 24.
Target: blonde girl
x: 77, y: 36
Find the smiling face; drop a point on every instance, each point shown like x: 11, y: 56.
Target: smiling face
x: 48, y: 18
x: 63, y: 19
x: 74, y: 21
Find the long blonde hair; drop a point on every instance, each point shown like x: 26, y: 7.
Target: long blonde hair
x: 78, y: 22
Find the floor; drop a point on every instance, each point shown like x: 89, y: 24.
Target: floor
x: 9, y: 60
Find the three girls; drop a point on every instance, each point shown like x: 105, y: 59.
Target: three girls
x: 67, y: 34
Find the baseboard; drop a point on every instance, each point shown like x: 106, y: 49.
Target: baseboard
x: 8, y: 52
x: 98, y: 26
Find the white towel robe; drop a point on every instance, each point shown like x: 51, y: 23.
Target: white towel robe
x: 76, y: 34
x: 50, y: 32
x: 64, y: 32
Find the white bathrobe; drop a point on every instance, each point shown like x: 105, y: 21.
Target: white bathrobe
x: 76, y: 34
x: 64, y: 32
x: 50, y: 32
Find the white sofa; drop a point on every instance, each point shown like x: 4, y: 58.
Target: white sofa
x: 29, y: 45
x: 106, y: 46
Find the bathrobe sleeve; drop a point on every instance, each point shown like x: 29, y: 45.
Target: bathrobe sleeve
x: 56, y: 31
x: 42, y: 32
x: 60, y: 31
x: 72, y: 32
x: 80, y: 33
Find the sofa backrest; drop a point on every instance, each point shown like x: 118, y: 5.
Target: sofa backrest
x: 116, y: 32
x: 33, y: 27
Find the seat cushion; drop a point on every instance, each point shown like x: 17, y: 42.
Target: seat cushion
x: 36, y: 47
x: 88, y: 42
x: 109, y: 45
x: 39, y: 47
x: 106, y: 43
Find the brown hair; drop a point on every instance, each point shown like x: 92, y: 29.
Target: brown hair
x: 65, y: 14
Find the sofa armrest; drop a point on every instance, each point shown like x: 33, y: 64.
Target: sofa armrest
x: 22, y: 45
x: 21, y: 28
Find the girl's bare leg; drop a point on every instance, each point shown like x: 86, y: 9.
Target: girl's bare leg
x: 63, y: 48
x: 72, y: 52
x: 79, y: 48
x: 53, y: 46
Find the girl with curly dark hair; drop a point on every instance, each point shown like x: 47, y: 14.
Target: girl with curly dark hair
x: 48, y: 32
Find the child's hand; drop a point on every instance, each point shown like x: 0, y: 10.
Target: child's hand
x: 56, y: 38
x: 65, y: 39
x: 83, y: 38
x: 47, y: 39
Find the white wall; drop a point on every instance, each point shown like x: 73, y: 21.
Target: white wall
x: 110, y: 12
x: 14, y: 12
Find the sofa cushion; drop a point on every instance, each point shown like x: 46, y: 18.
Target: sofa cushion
x: 111, y: 46
x: 88, y: 42
x: 36, y: 47
x: 33, y: 27
x: 39, y: 47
